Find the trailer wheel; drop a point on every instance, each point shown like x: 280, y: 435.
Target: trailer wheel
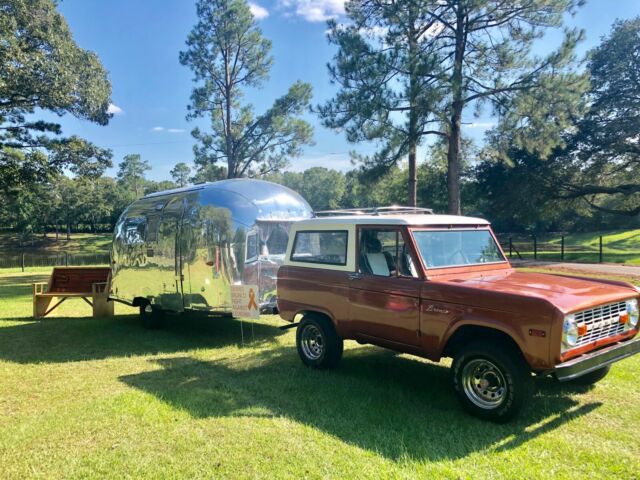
x: 492, y: 381
x: 151, y: 318
x: 319, y: 346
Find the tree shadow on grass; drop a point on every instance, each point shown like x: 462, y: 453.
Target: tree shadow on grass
x: 375, y: 400
x: 61, y: 339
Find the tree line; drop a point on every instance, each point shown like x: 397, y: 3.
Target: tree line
x: 564, y: 153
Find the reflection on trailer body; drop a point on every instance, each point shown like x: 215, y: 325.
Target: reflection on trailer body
x: 182, y: 249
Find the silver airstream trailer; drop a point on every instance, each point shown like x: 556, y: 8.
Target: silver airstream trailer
x: 183, y: 249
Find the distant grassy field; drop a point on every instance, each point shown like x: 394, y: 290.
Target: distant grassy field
x: 104, y: 398
x: 618, y: 247
x: 80, y: 243
x: 80, y: 249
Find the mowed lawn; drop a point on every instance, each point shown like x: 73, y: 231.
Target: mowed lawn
x: 104, y: 398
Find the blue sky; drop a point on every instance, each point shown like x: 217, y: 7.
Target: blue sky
x: 138, y: 42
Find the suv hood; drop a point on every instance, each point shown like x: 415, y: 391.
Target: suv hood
x: 567, y: 293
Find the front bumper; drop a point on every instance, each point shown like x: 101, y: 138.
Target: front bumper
x: 576, y: 367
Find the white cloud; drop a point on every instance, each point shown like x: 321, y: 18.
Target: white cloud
x: 480, y: 125
x: 434, y: 30
x: 313, y: 10
x: 114, y: 109
x: 169, y: 130
x: 257, y: 11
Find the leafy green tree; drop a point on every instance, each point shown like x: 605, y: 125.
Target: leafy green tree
x: 180, y: 174
x: 209, y: 173
x: 323, y: 188
x: 131, y: 174
x: 385, y: 88
x: 227, y: 53
x: 602, y: 163
x: 152, y: 187
x: 42, y: 67
x: 458, y: 55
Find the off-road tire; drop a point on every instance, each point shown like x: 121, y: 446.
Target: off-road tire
x: 319, y: 346
x: 151, y: 318
x: 492, y: 380
x: 591, y: 377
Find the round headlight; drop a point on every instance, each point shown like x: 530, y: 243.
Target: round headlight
x: 570, y: 331
x: 634, y: 313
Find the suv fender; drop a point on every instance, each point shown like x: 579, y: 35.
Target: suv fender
x: 467, y: 331
x: 317, y: 311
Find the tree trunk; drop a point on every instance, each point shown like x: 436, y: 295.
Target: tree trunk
x: 231, y: 161
x: 453, y: 153
x: 413, y: 116
x: 453, y: 166
x: 69, y: 231
x: 413, y: 177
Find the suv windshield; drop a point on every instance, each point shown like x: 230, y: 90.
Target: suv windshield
x: 452, y: 248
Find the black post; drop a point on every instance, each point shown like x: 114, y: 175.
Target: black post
x: 535, y: 247
x: 66, y: 259
x: 23, y: 261
x: 510, y: 247
x: 600, y: 248
x: 562, y: 248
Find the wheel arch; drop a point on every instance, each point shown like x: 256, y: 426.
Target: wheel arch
x: 316, y: 311
x: 472, y: 332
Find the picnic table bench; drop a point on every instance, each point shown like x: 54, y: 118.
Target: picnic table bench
x: 69, y: 282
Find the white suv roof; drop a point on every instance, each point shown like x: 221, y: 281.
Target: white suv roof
x: 409, y: 219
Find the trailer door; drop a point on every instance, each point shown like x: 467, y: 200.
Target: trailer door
x: 168, y: 256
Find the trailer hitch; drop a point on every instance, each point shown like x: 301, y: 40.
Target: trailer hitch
x: 287, y: 327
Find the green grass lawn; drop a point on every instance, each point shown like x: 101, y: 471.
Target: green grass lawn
x: 104, y: 398
x: 618, y: 247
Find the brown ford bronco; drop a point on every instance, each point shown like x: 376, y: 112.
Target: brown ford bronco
x: 440, y: 286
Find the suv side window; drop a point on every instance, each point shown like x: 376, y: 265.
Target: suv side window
x: 384, y: 253
x: 327, y: 247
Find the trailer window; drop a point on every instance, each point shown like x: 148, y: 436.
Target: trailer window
x: 252, y: 247
x: 152, y: 228
x: 326, y: 246
x: 135, y: 230
x: 277, y: 241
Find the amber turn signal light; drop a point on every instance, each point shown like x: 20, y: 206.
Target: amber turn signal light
x: 624, y: 318
x: 582, y: 329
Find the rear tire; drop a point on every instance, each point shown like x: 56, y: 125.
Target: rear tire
x: 151, y: 318
x: 591, y: 377
x: 319, y: 346
x: 492, y: 380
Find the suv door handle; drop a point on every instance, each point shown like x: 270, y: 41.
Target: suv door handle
x: 355, y: 276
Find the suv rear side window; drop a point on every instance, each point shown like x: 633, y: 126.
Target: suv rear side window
x: 327, y: 247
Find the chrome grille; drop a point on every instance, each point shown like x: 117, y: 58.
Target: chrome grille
x: 601, y: 322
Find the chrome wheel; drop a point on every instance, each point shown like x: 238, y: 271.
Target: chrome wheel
x: 312, y: 342
x: 484, y: 384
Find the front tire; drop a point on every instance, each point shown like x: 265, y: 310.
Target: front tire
x: 150, y: 317
x: 319, y: 346
x: 492, y: 381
